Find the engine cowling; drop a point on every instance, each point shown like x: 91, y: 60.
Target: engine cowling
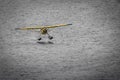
x: 43, y: 31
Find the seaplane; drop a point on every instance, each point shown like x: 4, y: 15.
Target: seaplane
x: 43, y: 29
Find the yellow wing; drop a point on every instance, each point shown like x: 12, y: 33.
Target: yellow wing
x: 40, y: 27
x: 29, y: 28
x: 60, y: 25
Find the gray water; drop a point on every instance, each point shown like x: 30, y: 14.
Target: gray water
x: 87, y: 50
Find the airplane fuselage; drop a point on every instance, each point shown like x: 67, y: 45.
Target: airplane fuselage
x: 43, y: 29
